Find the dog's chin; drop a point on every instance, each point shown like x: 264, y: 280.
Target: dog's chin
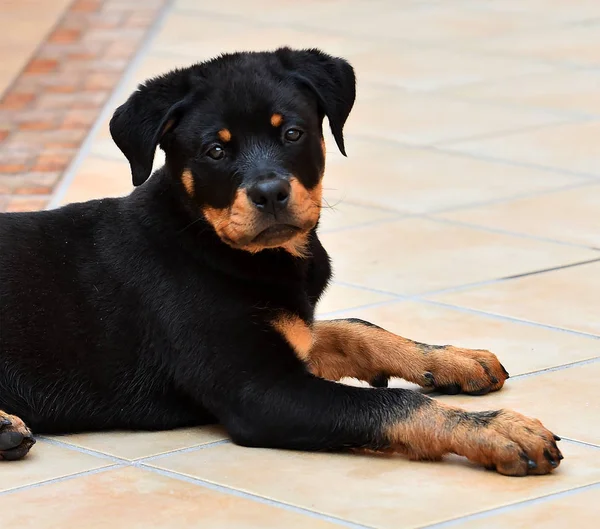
x: 276, y: 235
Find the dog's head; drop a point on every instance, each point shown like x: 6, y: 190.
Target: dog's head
x: 243, y: 139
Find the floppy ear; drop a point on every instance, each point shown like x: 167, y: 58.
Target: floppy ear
x: 330, y: 78
x: 138, y: 125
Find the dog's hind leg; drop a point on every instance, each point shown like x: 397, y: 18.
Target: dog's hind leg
x: 15, y: 438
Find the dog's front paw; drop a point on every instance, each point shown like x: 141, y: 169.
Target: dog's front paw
x: 15, y: 438
x: 510, y: 443
x: 452, y: 370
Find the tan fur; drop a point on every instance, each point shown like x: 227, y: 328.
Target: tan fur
x: 435, y: 430
x: 240, y: 220
x: 276, y: 120
x: 188, y: 182
x: 224, y: 135
x: 348, y: 349
x: 234, y: 222
x: 296, y: 332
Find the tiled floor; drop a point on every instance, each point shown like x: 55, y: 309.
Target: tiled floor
x: 467, y: 212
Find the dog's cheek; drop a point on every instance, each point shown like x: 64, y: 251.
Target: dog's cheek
x: 235, y: 223
x: 306, y: 203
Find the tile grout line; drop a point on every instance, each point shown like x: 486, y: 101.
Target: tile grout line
x: 503, y: 317
x: 510, y: 507
x: 86, y: 146
x: 465, y: 46
x: 449, y: 91
x: 60, y: 479
x: 123, y: 460
x: 511, y: 132
x: 500, y: 231
x: 577, y: 363
x: 583, y: 443
x: 256, y: 498
x: 588, y: 177
x: 187, y: 450
x: 421, y: 299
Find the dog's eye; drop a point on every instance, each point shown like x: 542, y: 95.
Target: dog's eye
x: 293, y: 134
x: 216, y: 152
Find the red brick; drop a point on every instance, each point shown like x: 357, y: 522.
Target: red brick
x: 86, y: 6
x: 80, y: 118
x: 41, y: 66
x: 51, y: 162
x: 52, y: 145
x: 16, y: 101
x: 118, y: 50
x: 102, y: 81
x: 4, y: 134
x: 36, y: 125
x: 61, y: 89
x: 11, y: 168
x: 65, y: 36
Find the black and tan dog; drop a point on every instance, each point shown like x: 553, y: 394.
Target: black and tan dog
x: 192, y: 300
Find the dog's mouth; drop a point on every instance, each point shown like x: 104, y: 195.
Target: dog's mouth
x: 276, y: 235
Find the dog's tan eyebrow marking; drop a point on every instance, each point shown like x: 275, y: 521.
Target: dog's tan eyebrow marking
x: 188, y: 182
x: 224, y: 135
x: 276, y: 120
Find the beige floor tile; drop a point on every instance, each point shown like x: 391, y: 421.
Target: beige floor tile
x: 571, y: 147
x: 340, y: 297
x: 575, y: 44
x: 420, y: 181
x: 44, y: 462
x: 411, y: 256
x: 566, y: 401
x: 431, y: 69
x: 571, y: 90
x: 180, y: 36
x: 429, y: 119
x: 572, y: 509
x: 261, y: 10
x: 400, y: 493
x: 136, y: 445
x: 339, y: 215
x: 97, y: 178
x: 433, y: 22
x: 521, y: 348
x: 557, y: 10
x: 130, y: 498
x: 570, y: 216
x: 567, y: 298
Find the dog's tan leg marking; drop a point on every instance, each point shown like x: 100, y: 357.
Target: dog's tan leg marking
x: 350, y: 348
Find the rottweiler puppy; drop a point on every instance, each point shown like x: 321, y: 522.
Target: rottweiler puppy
x: 192, y: 300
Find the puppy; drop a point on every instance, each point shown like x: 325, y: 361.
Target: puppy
x: 192, y: 300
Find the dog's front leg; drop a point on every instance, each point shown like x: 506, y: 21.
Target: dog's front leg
x: 355, y: 348
x: 304, y: 412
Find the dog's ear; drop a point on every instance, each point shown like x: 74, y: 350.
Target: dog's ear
x: 330, y: 78
x: 138, y: 125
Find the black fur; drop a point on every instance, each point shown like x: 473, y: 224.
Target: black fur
x: 133, y: 313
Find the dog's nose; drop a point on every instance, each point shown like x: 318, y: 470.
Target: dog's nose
x: 270, y: 195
